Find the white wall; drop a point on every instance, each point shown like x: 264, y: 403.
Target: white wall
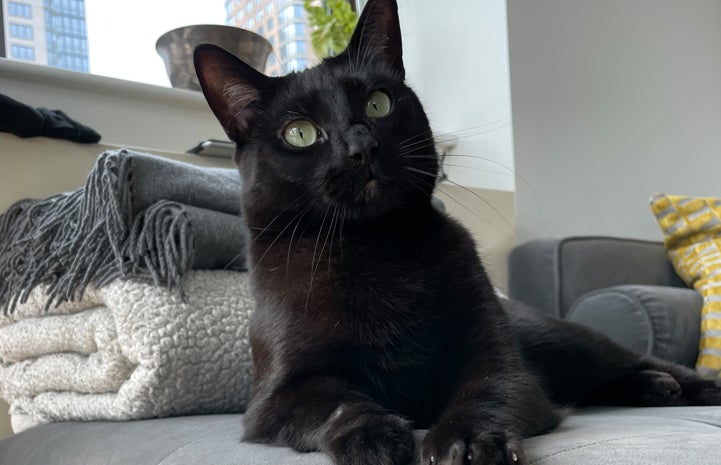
x: 456, y: 58
x: 612, y: 101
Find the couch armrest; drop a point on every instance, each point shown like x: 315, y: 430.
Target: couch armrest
x: 652, y: 320
x: 551, y: 274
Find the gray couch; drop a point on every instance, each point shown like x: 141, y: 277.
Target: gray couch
x: 623, y: 288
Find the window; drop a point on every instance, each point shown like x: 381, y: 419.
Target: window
x: 20, y: 10
x: 79, y: 34
x: 293, y: 49
x: 291, y: 31
x: 66, y: 61
x: 21, y: 52
x: 291, y: 12
x: 21, y: 31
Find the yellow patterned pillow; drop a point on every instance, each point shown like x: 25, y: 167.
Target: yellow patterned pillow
x: 692, y: 230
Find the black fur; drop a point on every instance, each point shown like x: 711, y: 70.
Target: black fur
x: 374, y: 313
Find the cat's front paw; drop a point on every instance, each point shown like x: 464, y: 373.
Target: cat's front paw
x: 449, y: 445
x: 378, y: 439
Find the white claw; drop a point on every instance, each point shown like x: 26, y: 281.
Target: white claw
x: 514, y: 457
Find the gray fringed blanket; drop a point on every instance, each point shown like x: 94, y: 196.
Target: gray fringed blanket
x: 138, y: 216
x: 93, y: 326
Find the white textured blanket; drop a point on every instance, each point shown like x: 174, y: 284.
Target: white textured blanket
x: 129, y: 350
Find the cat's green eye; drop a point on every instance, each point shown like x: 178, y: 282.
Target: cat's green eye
x: 378, y: 105
x: 300, y: 133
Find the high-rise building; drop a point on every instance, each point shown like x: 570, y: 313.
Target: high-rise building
x: 48, y: 32
x: 284, y: 23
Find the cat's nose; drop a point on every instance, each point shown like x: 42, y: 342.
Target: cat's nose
x: 361, y: 143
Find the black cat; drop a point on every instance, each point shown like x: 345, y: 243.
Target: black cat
x: 374, y: 314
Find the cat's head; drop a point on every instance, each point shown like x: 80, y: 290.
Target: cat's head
x: 347, y: 134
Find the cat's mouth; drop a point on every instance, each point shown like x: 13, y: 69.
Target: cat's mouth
x: 371, y: 190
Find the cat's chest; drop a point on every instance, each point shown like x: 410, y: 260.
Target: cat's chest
x: 349, y: 280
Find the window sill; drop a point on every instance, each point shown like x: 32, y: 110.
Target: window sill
x: 123, y: 112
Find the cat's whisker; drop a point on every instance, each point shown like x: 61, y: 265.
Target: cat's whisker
x: 334, y: 223
x: 426, y: 133
x: 409, y: 181
x: 290, y: 244
x: 474, y: 168
x: 306, y: 208
x: 449, y: 133
x: 228, y: 265
x: 292, y: 204
x: 360, y: 47
x: 486, y: 202
x: 468, y: 209
x: 489, y: 204
x: 340, y: 233
x: 263, y: 231
x: 452, y: 197
x: 327, y: 236
x: 449, y: 137
x: 312, y: 262
x: 508, y: 170
x: 367, y: 50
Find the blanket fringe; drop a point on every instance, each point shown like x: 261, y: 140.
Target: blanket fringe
x: 91, y: 235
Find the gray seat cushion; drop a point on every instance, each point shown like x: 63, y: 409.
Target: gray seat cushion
x: 649, y: 436
x: 652, y: 320
x: 551, y: 274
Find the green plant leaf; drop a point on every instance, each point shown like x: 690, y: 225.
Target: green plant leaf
x: 331, y: 27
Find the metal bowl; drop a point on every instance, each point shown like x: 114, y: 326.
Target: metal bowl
x: 176, y: 49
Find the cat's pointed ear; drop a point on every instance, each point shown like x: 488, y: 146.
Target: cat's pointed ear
x: 231, y: 87
x: 379, y: 32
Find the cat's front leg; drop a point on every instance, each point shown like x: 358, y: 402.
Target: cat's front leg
x: 483, y: 430
x: 324, y: 413
x: 486, y: 420
x: 493, y: 401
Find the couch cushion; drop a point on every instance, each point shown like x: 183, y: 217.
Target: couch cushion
x: 551, y: 274
x: 692, y: 227
x: 639, y: 436
x: 662, y: 321
x: 618, y: 436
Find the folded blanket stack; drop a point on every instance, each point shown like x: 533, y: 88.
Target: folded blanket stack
x: 126, y: 299
x: 129, y: 350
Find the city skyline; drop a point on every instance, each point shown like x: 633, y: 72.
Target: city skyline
x: 90, y: 36
x: 284, y: 23
x: 49, y: 32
